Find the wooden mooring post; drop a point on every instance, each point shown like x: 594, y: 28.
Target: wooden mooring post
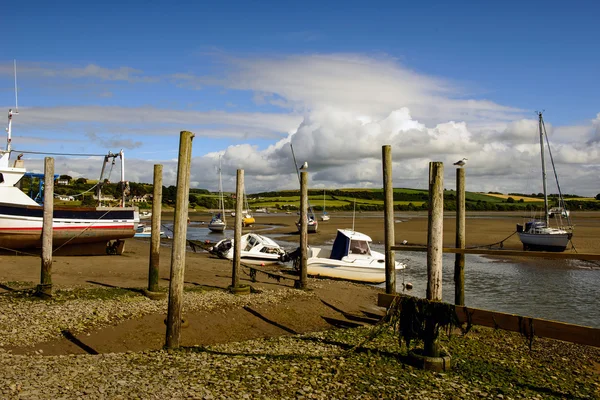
x: 237, y: 233
x: 303, y: 229
x: 44, y: 289
x: 153, y: 267
x: 459, y: 261
x: 179, y: 241
x: 435, y: 232
x: 388, y: 217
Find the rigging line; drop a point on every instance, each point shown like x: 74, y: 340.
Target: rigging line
x: 85, y: 229
x: 561, y: 201
x: 60, y: 154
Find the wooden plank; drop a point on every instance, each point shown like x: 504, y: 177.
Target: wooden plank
x: 515, y: 323
x: 542, y: 254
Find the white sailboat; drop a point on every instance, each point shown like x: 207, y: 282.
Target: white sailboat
x: 218, y: 223
x: 325, y: 216
x: 536, y: 234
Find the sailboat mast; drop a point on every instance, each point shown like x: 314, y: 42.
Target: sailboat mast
x: 222, y: 203
x: 546, y: 217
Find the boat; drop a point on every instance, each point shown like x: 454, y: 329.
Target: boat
x: 538, y: 234
x: 247, y: 218
x: 311, y: 226
x: 255, y: 249
x: 83, y: 230
x: 558, y: 212
x: 324, y: 216
x: 261, y: 210
x: 145, y: 214
x: 350, y: 258
x: 218, y: 223
x: 145, y: 231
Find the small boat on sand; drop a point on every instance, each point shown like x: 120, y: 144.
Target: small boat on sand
x: 350, y: 258
x: 256, y: 249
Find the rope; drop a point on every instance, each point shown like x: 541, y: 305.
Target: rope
x: 60, y: 154
x: 84, y: 230
x: 501, y: 243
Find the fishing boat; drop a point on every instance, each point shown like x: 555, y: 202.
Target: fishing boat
x: 538, y: 234
x: 218, y: 223
x: 255, y: 249
x: 77, y: 230
x: 350, y: 258
x: 324, y: 216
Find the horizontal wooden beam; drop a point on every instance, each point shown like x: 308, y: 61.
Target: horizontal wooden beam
x: 516, y: 323
x: 542, y: 254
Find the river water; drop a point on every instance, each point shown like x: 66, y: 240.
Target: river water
x: 560, y: 290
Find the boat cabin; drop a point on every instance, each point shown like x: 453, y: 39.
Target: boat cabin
x: 349, y: 242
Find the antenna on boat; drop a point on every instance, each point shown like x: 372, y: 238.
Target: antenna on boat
x: 11, y: 113
x: 353, y: 214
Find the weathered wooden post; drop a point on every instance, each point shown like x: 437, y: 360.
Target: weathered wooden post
x: 388, y: 217
x: 303, y: 228
x: 179, y: 241
x: 44, y: 289
x: 435, y: 231
x: 459, y: 262
x: 155, y: 235
x: 237, y: 234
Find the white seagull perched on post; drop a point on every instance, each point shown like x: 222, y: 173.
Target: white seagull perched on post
x: 305, y: 165
x: 461, y: 162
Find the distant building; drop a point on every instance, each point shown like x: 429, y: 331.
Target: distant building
x: 66, y: 198
x: 63, y: 182
x: 140, y: 199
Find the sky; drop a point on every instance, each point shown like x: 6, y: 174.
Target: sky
x: 438, y: 81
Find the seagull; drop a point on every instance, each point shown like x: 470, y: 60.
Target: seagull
x: 305, y: 165
x: 461, y: 162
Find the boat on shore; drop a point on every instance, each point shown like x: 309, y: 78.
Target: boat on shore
x: 538, y: 234
x: 350, y: 258
x: 83, y: 230
x: 255, y: 249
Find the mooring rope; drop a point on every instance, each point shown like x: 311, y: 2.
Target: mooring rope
x: 489, y: 246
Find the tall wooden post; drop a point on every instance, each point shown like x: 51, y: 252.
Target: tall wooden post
x: 459, y: 262
x: 179, y: 241
x: 303, y: 228
x: 237, y: 233
x: 153, y: 267
x: 435, y: 238
x: 45, y: 286
x: 388, y: 217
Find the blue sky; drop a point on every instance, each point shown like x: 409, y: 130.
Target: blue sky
x: 438, y: 81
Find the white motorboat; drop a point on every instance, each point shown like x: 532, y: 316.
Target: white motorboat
x: 255, y: 249
x: 218, y: 223
x: 350, y: 258
x: 539, y: 235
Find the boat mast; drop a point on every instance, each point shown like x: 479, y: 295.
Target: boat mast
x: 546, y: 218
x: 11, y: 113
x: 222, y: 203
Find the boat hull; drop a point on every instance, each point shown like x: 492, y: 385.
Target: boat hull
x: 545, y: 242
x: 356, y: 270
x: 217, y: 227
x: 21, y: 226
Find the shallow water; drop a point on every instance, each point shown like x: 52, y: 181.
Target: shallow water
x: 566, y: 291
x: 563, y: 290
